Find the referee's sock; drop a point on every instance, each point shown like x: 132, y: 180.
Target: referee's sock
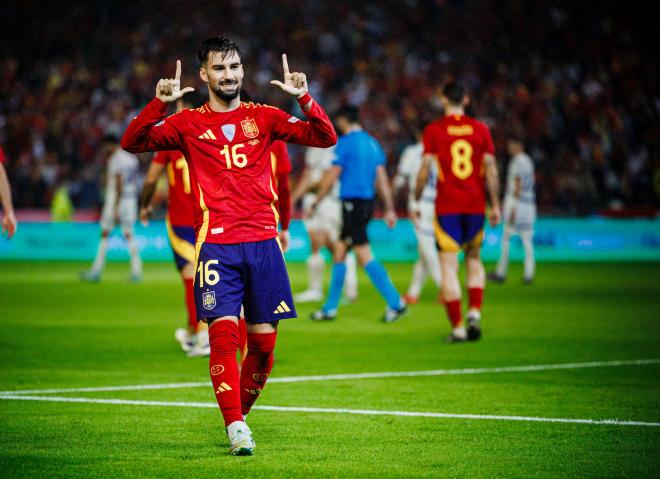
x: 383, y: 284
x: 336, y: 285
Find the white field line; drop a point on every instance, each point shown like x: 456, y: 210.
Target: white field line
x: 364, y: 412
x: 336, y: 377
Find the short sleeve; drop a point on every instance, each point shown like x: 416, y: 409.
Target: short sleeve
x: 489, y: 147
x: 380, y: 154
x: 3, y: 160
x: 161, y: 158
x: 338, y: 154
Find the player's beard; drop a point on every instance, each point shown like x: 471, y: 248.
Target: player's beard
x: 227, y: 95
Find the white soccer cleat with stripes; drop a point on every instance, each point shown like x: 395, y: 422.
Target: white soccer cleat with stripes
x: 240, y: 439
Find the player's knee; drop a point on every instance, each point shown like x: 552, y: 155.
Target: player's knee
x: 262, y: 328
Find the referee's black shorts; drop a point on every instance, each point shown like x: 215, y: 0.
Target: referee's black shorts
x: 356, y: 214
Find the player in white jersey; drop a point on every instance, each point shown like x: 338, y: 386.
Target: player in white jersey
x: 119, y: 208
x: 422, y: 214
x: 519, y: 211
x: 323, y: 225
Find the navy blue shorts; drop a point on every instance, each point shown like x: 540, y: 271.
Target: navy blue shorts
x: 250, y: 274
x: 182, y: 240
x: 459, y: 231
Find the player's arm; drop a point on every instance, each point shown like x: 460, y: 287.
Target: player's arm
x: 493, y: 185
x: 9, y: 218
x: 149, y: 131
x: 148, y: 191
x: 119, y: 186
x: 383, y: 186
x: 318, y: 130
x: 423, y: 175
x: 327, y: 182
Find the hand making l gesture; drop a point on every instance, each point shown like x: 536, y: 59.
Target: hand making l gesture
x: 294, y: 83
x: 169, y: 89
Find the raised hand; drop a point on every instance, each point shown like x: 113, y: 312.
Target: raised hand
x: 294, y: 83
x: 169, y: 89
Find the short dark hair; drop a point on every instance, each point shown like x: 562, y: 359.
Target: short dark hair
x: 454, y: 92
x: 350, y: 113
x: 216, y: 44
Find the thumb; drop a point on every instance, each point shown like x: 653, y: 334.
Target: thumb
x: 187, y: 89
x: 278, y: 83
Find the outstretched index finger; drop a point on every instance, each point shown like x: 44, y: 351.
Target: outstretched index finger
x: 285, y: 64
x: 177, y: 76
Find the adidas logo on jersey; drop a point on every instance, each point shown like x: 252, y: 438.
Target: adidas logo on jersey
x: 282, y: 308
x: 207, y: 135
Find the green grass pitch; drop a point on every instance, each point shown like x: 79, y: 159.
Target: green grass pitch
x: 58, y: 333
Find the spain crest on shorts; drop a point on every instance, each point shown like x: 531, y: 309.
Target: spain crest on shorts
x: 208, y: 300
x: 250, y: 128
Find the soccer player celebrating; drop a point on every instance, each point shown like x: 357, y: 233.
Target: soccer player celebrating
x: 227, y: 144
x: 464, y: 153
x: 360, y: 166
x: 519, y: 210
x: 9, y: 218
x: 119, y: 208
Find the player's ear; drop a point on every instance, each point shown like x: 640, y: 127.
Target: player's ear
x: 466, y: 100
x: 203, y: 75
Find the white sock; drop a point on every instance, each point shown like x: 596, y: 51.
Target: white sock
x: 315, y: 270
x: 418, y: 279
x: 503, y: 263
x: 528, y: 245
x: 136, y: 261
x: 460, y: 332
x: 350, y: 281
x: 99, y: 261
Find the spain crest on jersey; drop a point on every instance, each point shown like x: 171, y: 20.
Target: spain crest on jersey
x: 208, y: 300
x: 250, y: 128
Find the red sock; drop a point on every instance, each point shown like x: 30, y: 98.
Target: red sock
x: 223, y: 337
x: 190, y: 304
x: 454, y: 312
x: 476, y: 297
x: 242, y: 338
x: 256, y: 367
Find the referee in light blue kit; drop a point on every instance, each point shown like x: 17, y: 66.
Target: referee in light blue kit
x: 360, y: 166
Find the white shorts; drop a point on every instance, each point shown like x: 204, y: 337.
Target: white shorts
x: 525, y: 214
x: 326, y: 217
x: 425, y: 224
x: 127, y: 215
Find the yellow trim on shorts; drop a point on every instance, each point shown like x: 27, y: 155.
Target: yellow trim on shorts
x: 476, y: 241
x: 179, y: 245
x: 447, y: 243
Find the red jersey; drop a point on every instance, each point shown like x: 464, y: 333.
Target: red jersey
x: 459, y: 143
x: 281, y: 163
x: 2, y: 155
x: 229, y: 159
x: 181, y: 203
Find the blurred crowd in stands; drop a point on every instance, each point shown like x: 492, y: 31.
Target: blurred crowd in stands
x: 577, y: 80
